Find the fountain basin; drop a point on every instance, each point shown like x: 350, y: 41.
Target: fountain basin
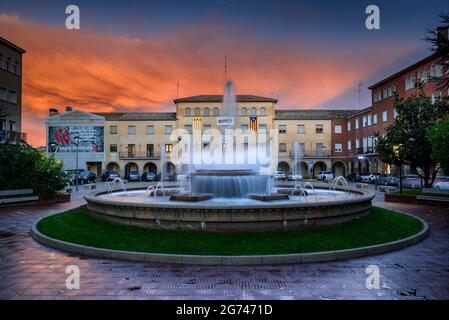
x: 271, y: 197
x: 324, y: 207
x: 190, y: 197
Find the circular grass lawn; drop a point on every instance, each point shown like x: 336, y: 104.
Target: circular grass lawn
x: 380, y: 226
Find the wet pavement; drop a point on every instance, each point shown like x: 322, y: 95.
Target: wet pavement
x: 29, y: 270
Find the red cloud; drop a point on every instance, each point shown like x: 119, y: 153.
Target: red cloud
x: 97, y: 71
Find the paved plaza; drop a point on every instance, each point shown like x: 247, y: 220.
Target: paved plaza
x: 29, y: 270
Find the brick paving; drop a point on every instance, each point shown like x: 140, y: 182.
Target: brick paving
x: 29, y: 270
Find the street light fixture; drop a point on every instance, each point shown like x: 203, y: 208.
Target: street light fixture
x: 77, y: 141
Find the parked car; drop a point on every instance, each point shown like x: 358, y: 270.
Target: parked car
x: 294, y: 177
x: 369, y: 177
x: 412, y: 181
x: 325, y: 175
x: 109, y: 175
x: 88, y: 177
x: 279, y: 175
x: 133, y: 176
x: 354, y: 177
x: 148, y: 176
x: 388, y: 180
x: 73, y: 177
x: 441, y: 185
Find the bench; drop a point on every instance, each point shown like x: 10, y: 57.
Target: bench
x: 15, y: 196
x: 361, y: 185
x: 433, y: 199
x: 435, y: 191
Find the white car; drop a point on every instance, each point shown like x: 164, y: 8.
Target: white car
x: 279, y: 176
x: 442, y: 185
x: 294, y: 177
x: 325, y: 175
x: 369, y: 178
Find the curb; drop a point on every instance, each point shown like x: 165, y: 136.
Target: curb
x: 255, y: 260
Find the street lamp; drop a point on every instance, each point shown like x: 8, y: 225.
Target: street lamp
x: 323, y: 148
x: 77, y: 141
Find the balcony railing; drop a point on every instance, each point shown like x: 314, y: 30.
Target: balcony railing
x: 7, y: 136
x: 139, y: 155
x: 317, y: 154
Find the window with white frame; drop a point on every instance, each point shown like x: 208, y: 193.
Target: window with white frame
x: 187, y: 112
x: 244, y: 127
x: 113, y: 129
x: 357, y: 143
x: 375, y: 118
x: 168, y: 130
x: 385, y: 93
x: 244, y: 112
x: 370, y: 119
x: 263, y: 111
x: 206, y: 112
x: 374, y: 96
x: 282, y: 147
x: 282, y: 129
x: 410, y: 81
x: 338, y: 147
x: 338, y: 128
x: 319, y: 128
x: 262, y: 128
x: 394, y: 88
x: 150, y: 130
x: 384, y: 116
x: 365, y: 144
x: 197, y: 111
x: 349, y: 144
x: 131, y: 130
x: 301, y: 129
x: 438, y: 71
x: 364, y: 121
x: 379, y: 96
x: 349, y: 125
x: 357, y: 123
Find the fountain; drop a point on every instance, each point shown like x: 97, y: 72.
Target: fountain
x: 231, y: 195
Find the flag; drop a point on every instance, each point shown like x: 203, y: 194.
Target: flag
x: 253, y: 123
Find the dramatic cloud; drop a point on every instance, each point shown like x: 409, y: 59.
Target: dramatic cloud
x: 98, y: 71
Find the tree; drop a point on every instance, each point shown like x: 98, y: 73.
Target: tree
x: 440, y: 45
x: 439, y: 137
x: 22, y: 167
x: 407, y: 140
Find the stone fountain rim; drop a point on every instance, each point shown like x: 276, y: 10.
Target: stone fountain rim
x: 365, y: 195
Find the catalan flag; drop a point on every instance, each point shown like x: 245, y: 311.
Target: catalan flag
x: 253, y: 123
x: 197, y: 123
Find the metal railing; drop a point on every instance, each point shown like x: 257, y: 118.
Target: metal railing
x: 139, y: 155
x: 7, y: 136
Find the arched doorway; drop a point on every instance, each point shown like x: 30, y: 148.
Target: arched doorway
x: 318, y: 167
x: 112, y: 166
x: 169, y: 168
x: 339, y: 169
x: 131, y: 166
x: 150, y: 167
x: 284, y: 167
x: 303, y: 169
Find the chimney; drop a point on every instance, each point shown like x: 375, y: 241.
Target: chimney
x: 52, y: 112
x: 443, y: 42
x: 68, y: 109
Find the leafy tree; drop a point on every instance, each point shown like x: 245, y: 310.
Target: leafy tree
x: 22, y: 167
x: 439, y: 136
x: 440, y: 46
x: 407, y: 140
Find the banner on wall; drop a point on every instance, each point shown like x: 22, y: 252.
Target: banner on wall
x: 62, y: 139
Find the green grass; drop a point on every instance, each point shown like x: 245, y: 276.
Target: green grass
x: 380, y: 226
x: 409, y: 192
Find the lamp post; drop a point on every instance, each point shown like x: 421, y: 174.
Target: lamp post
x: 323, y: 148
x: 77, y: 141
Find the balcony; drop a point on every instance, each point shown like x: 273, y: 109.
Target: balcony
x: 128, y: 155
x: 12, y: 137
x: 317, y: 154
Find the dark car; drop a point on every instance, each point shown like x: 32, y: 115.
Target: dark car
x: 88, y: 177
x: 133, y: 176
x: 388, y: 180
x: 109, y: 175
x: 355, y: 177
x: 148, y: 176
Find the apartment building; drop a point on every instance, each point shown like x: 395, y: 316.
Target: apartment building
x: 11, y: 92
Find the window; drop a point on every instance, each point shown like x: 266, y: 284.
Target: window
x: 357, y: 125
x: 384, y: 116
x: 370, y: 144
x: 379, y: 95
x: 338, y: 128
x: 375, y: 118
x: 319, y: 128
x: 394, y: 88
x: 187, y: 112
x: 349, y: 144
x: 131, y: 130
x: 385, y: 93
x: 364, y: 121
x: 244, y: 112
x: 410, y: 81
x: 216, y: 112
x: 197, y: 111
x: 150, y: 150
x: 438, y: 71
x: 370, y: 119
x: 338, y: 147
x: 244, y: 127
x: 390, y: 91
x: 150, y: 130
x: 365, y: 144
x: 206, y: 112
x: 113, y: 129
x: 206, y: 127
x: 349, y: 125
x: 432, y: 71
x: 435, y: 96
x: 282, y: 129
x: 3, y: 94
x: 357, y: 143
x: 301, y: 129
x: 12, y: 96
x: 188, y: 128
x: 263, y: 112
x: 263, y: 128
x: 395, y: 113
x: 374, y: 96
x: 168, y: 130
x: 113, y: 148
x: 7, y: 64
x: 168, y: 148
x: 282, y: 147
x: 131, y: 150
